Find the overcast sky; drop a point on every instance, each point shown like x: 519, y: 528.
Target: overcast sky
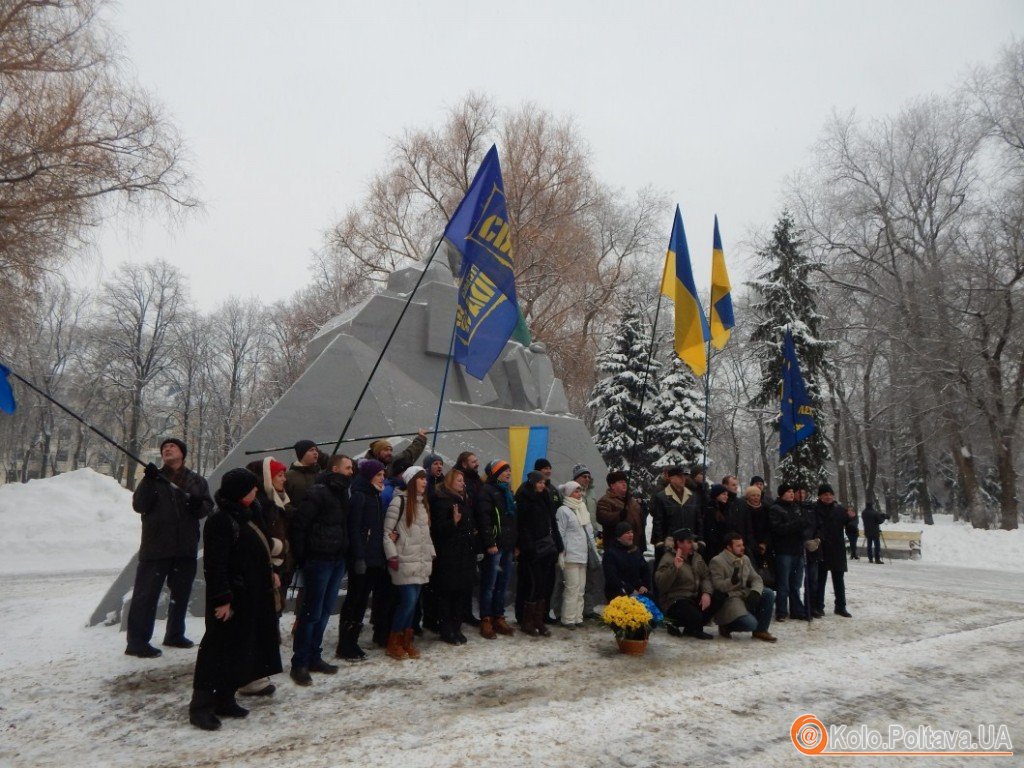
x: 288, y: 108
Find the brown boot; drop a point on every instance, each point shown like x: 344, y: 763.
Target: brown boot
x: 768, y: 637
x: 501, y: 626
x: 487, y: 629
x: 396, y: 646
x: 407, y: 638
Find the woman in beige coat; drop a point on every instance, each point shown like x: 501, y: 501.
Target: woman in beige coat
x: 410, y: 554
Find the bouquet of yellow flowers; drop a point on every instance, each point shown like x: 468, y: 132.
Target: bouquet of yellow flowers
x: 628, y: 618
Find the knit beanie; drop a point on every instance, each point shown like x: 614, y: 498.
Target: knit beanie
x: 534, y: 477
x: 236, y: 484
x: 825, y: 488
x: 177, y: 442
x: 622, y: 528
x: 569, y: 487
x: 379, y: 445
x: 580, y: 469
x: 302, y: 446
x: 430, y: 459
x: 783, y: 489
x: 496, y: 467
x: 276, y: 467
x: 369, y: 468
x: 411, y: 474
x: 540, y: 464
x: 717, y: 490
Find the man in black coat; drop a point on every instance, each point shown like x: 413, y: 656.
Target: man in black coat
x: 626, y: 571
x: 672, y: 509
x: 788, y: 525
x: 872, y: 519
x: 831, y: 518
x: 320, y: 541
x: 172, y: 500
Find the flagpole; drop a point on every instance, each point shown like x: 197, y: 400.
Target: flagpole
x: 643, y: 389
x: 378, y: 437
x: 78, y: 418
x: 707, y: 409
x: 384, y: 349
x: 444, y: 380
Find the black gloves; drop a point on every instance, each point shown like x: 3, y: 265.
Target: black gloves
x: 151, y: 472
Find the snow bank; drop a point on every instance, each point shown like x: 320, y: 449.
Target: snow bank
x: 77, y: 521
x: 956, y: 543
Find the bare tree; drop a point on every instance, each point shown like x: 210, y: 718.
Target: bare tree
x: 142, y: 309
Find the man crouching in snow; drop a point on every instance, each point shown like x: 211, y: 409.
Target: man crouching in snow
x: 749, y: 604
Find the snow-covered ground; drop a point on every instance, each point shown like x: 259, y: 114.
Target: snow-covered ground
x: 949, y: 542
x: 929, y: 644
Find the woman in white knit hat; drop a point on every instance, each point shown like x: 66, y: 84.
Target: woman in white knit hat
x: 574, y: 525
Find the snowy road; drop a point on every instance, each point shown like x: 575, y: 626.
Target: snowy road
x: 929, y: 645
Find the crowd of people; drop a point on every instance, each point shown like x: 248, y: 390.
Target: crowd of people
x: 418, y: 541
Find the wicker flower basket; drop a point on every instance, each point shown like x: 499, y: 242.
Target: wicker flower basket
x: 633, y: 647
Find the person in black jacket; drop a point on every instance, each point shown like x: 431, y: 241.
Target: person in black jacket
x: 832, y: 528
x: 539, y: 543
x: 367, y: 565
x: 496, y: 528
x: 469, y: 465
x: 788, y: 526
x: 320, y: 539
x: 241, y: 640
x: 716, y: 521
x: 454, y: 533
x: 672, y: 509
x: 626, y: 571
x: 172, y: 500
x: 872, y: 520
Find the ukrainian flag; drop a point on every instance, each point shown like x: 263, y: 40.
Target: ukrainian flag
x: 722, y: 319
x: 525, y: 446
x: 677, y: 283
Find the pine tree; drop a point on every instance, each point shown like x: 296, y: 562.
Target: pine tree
x: 620, y: 427
x: 785, y: 299
x: 676, y: 433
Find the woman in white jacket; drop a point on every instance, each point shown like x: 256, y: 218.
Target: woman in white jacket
x: 573, y: 520
x: 410, y: 554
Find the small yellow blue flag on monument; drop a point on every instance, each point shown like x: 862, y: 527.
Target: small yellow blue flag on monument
x: 488, y: 312
x: 677, y: 283
x: 722, y: 319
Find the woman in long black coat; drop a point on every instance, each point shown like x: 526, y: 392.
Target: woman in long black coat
x: 453, y: 532
x: 539, y: 544
x: 241, y: 640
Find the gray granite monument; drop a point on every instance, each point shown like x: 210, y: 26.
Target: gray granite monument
x: 520, y: 390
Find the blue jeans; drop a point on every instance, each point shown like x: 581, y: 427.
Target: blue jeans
x: 759, y: 623
x: 494, y: 574
x: 789, y: 576
x: 322, y: 579
x: 874, y: 547
x: 408, y: 596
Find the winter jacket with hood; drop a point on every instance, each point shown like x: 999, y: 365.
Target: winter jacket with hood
x: 496, y: 524
x: 414, y: 548
x: 366, y: 523
x: 319, y: 528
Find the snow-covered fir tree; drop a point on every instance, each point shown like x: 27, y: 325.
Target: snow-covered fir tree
x: 784, y: 298
x: 619, y: 426
x: 676, y: 433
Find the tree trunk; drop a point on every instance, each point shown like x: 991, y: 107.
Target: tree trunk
x: 1007, y: 484
x: 921, y: 459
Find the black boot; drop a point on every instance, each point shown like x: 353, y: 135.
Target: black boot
x: 448, y: 633
x: 226, y: 706
x: 541, y: 618
x: 348, y: 642
x: 200, y: 711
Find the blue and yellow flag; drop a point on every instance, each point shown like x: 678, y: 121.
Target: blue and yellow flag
x: 6, y: 393
x: 488, y: 312
x: 525, y: 446
x: 797, y: 422
x: 677, y: 284
x: 721, y: 294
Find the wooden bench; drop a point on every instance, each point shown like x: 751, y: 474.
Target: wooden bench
x: 898, y: 545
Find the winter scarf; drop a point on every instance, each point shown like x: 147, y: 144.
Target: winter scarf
x: 510, y: 500
x: 579, y: 508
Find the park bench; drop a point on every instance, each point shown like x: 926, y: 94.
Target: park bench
x: 898, y: 545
